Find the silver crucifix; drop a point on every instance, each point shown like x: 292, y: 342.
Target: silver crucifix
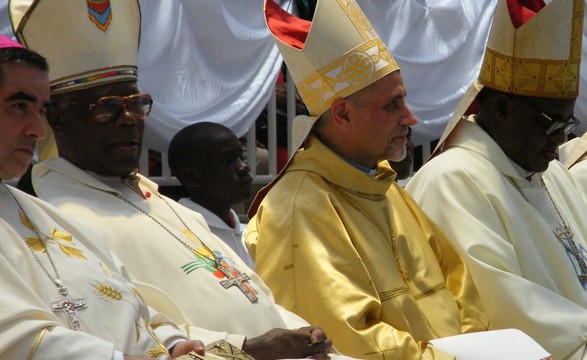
x: 69, y: 306
x: 238, y: 282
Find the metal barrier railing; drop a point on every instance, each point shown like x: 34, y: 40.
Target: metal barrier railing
x: 165, y: 179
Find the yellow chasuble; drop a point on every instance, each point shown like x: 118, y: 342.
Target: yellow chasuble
x: 357, y: 256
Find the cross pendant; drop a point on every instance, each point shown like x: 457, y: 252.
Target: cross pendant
x: 69, y: 306
x: 238, y: 281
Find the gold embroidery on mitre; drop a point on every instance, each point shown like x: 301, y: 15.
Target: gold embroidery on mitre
x: 353, y: 71
x: 577, y: 30
x: 538, y: 77
x: 358, y: 18
x: 531, y: 77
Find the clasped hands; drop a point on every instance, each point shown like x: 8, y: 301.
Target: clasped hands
x: 306, y: 342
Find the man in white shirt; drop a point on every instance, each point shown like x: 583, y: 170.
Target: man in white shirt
x: 207, y: 158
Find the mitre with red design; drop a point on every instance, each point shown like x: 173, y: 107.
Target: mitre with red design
x: 86, y: 43
x: 533, y: 50
x: 333, y: 56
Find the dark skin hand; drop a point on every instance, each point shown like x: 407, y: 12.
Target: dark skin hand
x: 307, y: 342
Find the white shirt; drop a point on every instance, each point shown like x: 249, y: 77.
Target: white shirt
x: 232, y: 236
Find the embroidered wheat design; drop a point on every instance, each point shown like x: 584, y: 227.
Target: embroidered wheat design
x: 60, y: 235
x: 71, y: 251
x: 37, y: 244
x: 158, y: 351
x: 34, y: 243
x: 108, y: 292
x: 26, y: 221
x: 106, y: 270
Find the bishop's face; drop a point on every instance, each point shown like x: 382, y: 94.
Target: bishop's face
x: 108, y: 146
x: 380, y: 122
x: 523, y: 133
x: 24, y: 98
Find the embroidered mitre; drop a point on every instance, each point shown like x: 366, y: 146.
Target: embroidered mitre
x: 333, y: 56
x: 86, y: 43
x: 539, y: 57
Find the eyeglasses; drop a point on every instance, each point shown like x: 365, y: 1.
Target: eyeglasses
x: 556, y: 122
x: 107, y: 108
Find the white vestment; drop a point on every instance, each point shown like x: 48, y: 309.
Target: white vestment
x: 143, y: 241
x: 232, y: 236
x: 573, y: 154
x: 115, y: 317
x: 505, y: 227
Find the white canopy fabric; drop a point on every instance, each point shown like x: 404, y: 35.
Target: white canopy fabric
x: 206, y: 60
x: 439, y: 46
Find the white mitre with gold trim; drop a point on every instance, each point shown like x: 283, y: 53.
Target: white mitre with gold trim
x: 333, y: 56
x: 86, y: 43
x: 539, y: 58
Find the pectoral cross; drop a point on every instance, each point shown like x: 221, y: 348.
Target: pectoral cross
x: 238, y: 281
x: 69, y: 306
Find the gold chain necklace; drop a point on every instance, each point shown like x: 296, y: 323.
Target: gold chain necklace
x: 66, y: 304
x: 231, y: 280
x: 565, y: 234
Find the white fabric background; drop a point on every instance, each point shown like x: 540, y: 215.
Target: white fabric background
x: 214, y: 60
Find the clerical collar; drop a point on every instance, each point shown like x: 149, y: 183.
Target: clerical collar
x: 368, y: 171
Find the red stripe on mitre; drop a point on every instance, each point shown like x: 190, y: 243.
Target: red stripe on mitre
x: 286, y: 27
x: 100, y: 6
x: 523, y: 10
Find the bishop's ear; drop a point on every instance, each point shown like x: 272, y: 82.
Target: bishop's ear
x: 500, y: 106
x: 339, y: 112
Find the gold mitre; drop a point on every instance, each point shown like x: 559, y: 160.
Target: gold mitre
x: 86, y: 43
x: 333, y: 56
x: 540, y: 58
